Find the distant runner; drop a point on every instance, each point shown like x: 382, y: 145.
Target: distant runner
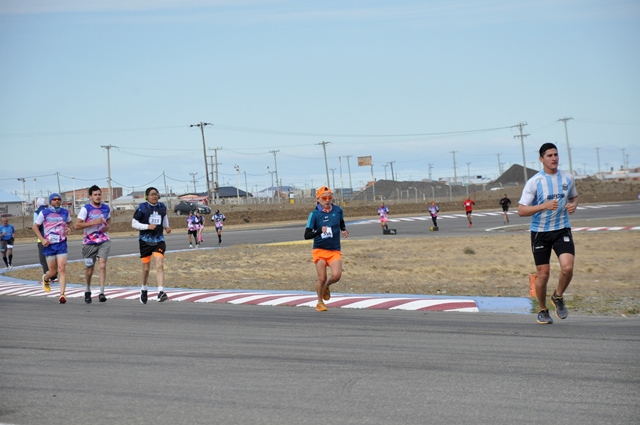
x: 383, y: 212
x: 218, y: 221
x: 468, y: 208
x: 505, y: 203
x: 433, y: 210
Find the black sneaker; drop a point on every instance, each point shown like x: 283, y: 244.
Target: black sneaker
x: 102, y: 298
x: 544, y: 318
x: 143, y: 296
x: 561, y: 309
x: 162, y: 296
x: 87, y: 297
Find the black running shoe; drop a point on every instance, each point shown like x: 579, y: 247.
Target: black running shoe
x: 561, y: 309
x: 102, y: 298
x: 87, y: 297
x: 143, y: 296
x: 544, y: 318
x: 162, y: 296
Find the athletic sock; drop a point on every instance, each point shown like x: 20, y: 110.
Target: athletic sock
x: 5, y: 261
x: 10, y: 259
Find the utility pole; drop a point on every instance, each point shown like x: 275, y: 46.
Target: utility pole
x: 598, y: 156
x: 237, y: 182
x: 60, y: 191
x: 499, y: 166
x: 385, y: 170
x: 194, y: 182
x: 202, y: 125
x: 166, y: 193
x: 522, y: 136
x: 326, y: 166
x: 468, y: 173
x: 108, y: 148
x: 246, y: 188
x: 430, y: 168
x: 333, y: 175
x: 216, y: 182
x: 341, y: 184
x: 566, y: 135
x: 24, y: 210
x: 276, y: 171
x: 349, y: 168
x: 392, y: 176
x: 455, y: 175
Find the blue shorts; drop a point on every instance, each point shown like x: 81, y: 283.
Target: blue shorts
x: 55, y: 249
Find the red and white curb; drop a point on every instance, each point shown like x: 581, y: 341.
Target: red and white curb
x: 418, y: 303
x: 595, y: 229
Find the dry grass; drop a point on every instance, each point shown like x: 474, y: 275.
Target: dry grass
x: 605, y: 280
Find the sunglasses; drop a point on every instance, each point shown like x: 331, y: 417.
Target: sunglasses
x: 56, y: 199
x: 326, y: 198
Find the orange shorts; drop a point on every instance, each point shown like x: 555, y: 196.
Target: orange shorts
x: 148, y: 259
x: 324, y: 254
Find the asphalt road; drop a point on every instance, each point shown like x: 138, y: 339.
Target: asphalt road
x: 172, y: 363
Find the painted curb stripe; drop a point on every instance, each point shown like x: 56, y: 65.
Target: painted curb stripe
x: 257, y: 298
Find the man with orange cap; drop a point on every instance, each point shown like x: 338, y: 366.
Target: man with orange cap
x: 325, y: 226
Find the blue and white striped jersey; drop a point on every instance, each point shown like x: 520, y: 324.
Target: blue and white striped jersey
x: 545, y: 187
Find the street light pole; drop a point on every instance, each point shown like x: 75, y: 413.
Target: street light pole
x: 326, y: 165
x: 237, y: 182
x: 204, y: 149
x: 108, y: 148
x: 566, y: 135
x: 524, y: 162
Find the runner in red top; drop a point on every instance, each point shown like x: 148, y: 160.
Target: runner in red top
x: 468, y: 207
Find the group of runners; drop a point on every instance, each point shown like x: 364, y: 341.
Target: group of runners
x: 549, y: 198
x: 52, y: 224
x: 383, y: 211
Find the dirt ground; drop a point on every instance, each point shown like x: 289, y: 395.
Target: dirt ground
x: 605, y: 280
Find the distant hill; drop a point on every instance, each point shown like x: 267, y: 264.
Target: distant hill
x: 514, y: 176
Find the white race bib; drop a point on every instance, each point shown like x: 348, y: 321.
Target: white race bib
x: 328, y: 233
x: 53, y: 238
x: 155, y: 218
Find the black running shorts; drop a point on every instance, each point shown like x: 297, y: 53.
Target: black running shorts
x: 561, y: 241
x: 146, y: 249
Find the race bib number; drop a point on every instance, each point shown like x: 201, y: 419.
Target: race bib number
x: 155, y: 218
x: 328, y: 233
x: 53, y: 238
x: 88, y: 262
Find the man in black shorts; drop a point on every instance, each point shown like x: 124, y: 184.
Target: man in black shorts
x: 505, y: 202
x: 151, y: 219
x: 548, y: 198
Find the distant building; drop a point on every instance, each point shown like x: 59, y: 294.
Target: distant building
x: 10, y: 204
x: 82, y: 195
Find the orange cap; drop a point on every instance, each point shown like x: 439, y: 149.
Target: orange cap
x: 323, y: 191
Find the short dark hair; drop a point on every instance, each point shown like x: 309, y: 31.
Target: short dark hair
x: 93, y: 189
x: 149, y: 189
x: 546, y: 147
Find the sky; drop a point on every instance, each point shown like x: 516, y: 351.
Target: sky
x: 411, y: 83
